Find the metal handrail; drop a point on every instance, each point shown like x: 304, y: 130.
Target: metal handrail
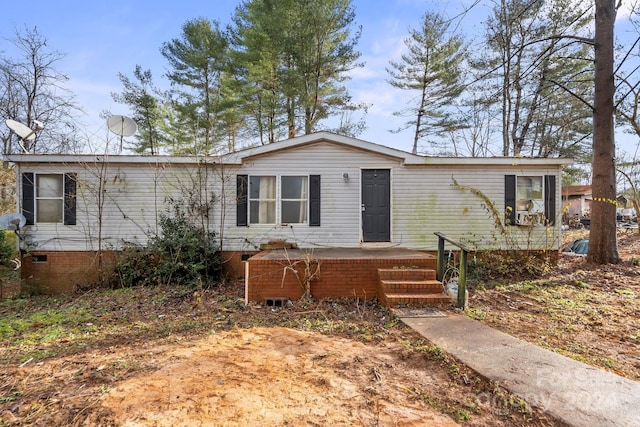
x: 462, y: 277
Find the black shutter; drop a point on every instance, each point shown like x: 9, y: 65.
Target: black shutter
x: 550, y: 198
x: 314, y: 200
x: 28, y: 197
x: 70, y: 199
x: 242, y: 191
x: 510, y: 199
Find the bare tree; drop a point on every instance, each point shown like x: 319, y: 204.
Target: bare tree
x: 528, y: 70
x: 32, y: 89
x: 473, y: 139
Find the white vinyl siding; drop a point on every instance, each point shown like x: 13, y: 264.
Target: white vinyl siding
x: 426, y: 200
x: 132, y: 193
x: 340, y: 199
x: 423, y: 199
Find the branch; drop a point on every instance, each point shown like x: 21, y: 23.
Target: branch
x: 584, y: 40
x: 626, y: 55
x: 578, y: 97
x: 632, y: 89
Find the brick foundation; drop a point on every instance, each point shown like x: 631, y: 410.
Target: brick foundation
x: 233, y: 267
x: 56, y: 272
x: 48, y: 272
x: 270, y: 278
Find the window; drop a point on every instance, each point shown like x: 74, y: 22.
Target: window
x: 530, y: 200
x: 49, y: 198
x: 294, y: 199
x: 262, y: 200
x: 529, y: 194
x: 278, y: 200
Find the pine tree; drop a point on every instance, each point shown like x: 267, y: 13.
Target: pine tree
x: 293, y: 57
x: 198, y: 61
x: 432, y: 68
x: 142, y: 96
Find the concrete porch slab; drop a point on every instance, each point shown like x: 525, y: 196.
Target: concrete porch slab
x: 345, y: 253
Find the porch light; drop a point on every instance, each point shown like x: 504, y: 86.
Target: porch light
x: 345, y: 176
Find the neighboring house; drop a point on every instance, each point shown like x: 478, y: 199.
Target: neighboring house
x: 316, y: 191
x: 578, y: 199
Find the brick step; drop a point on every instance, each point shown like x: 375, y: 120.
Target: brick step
x: 416, y: 299
x: 410, y: 274
x: 412, y: 286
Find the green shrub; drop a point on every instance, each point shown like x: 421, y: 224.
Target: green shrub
x: 134, y: 266
x: 7, y: 247
x: 182, y: 253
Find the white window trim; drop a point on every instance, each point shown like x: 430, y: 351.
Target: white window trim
x: 534, y: 214
x: 37, y: 198
x: 278, y: 200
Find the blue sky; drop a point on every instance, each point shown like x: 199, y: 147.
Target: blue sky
x: 101, y: 39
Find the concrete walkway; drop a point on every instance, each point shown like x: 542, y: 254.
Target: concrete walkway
x: 573, y: 392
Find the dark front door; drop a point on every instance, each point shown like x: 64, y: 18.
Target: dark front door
x: 376, y: 201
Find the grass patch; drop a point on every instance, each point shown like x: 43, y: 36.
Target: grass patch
x: 582, y: 311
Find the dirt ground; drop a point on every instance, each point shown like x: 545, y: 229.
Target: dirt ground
x: 175, y: 357
x: 276, y: 376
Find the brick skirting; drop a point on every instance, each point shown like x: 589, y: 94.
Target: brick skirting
x: 56, y: 272
x: 347, y: 273
x: 351, y: 275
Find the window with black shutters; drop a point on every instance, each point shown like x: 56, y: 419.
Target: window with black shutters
x: 49, y: 198
x: 278, y: 199
x: 530, y: 199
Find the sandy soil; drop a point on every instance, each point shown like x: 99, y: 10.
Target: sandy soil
x: 275, y: 376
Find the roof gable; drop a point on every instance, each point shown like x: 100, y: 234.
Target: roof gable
x: 239, y: 157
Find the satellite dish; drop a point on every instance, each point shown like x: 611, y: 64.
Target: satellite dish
x: 122, y: 125
x: 12, y: 221
x: 24, y: 132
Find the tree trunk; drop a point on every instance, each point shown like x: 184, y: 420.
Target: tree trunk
x: 602, y: 236
x: 291, y: 118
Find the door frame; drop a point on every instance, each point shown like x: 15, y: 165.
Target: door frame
x: 361, y: 205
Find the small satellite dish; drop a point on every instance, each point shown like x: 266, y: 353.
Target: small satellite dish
x: 23, y: 131
x: 12, y: 221
x: 122, y: 125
